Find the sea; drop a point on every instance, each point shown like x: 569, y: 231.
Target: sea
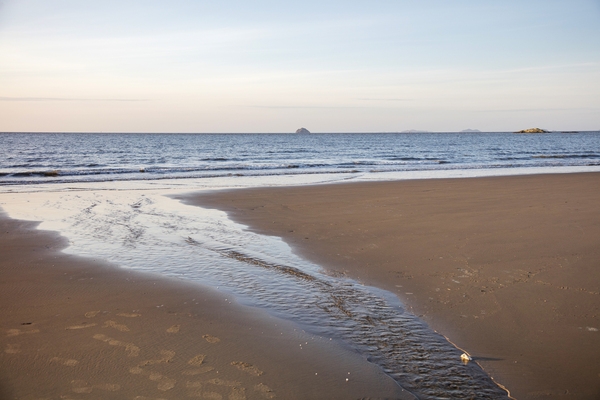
x: 33, y: 158
x: 113, y: 196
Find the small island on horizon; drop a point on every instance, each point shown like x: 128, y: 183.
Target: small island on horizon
x: 302, y: 130
x: 533, y: 130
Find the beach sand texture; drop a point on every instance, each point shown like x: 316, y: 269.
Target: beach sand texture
x: 507, y: 267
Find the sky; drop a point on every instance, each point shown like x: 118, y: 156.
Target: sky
x: 275, y: 66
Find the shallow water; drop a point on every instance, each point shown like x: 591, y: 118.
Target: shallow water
x: 148, y: 231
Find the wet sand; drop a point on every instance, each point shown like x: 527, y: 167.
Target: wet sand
x: 508, y: 268
x: 76, y: 328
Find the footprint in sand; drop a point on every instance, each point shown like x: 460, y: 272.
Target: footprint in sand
x: 12, y: 348
x: 174, y: 329
x: 236, y: 391
x: 198, y: 392
x: 129, y: 315
x: 79, y: 386
x: 197, y: 371
x: 211, y: 339
x: 195, y: 389
x: 167, y: 357
x: 119, y: 327
x: 82, y: 326
x: 265, y: 391
x: 109, y: 387
x: 246, y: 367
x: 197, y: 360
x: 131, y: 349
x: 91, y: 314
x: 68, y: 362
x: 17, y: 332
x: 164, y: 383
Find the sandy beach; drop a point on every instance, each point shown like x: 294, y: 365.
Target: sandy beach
x: 505, y: 267
x: 77, y: 328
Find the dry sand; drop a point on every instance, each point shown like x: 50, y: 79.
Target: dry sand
x: 74, y: 328
x: 507, y: 267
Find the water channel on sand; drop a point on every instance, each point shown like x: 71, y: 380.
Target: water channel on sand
x: 147, y: 230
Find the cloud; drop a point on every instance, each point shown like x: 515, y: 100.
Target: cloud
x: 384, y: 99
x: 525, y: 110
x: 317, y: 107
x: 62, y: 99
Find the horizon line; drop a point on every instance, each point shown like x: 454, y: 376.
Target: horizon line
x: 411, y: 131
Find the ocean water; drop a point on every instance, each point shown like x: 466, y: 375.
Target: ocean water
x: 92, y: 157
x: 89, y: 188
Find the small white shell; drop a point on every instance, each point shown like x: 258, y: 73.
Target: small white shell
x: 465, y: 358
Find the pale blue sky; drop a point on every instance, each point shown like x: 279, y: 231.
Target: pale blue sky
x: 270, y: 66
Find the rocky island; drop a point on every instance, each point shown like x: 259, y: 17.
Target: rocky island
x: 302, y: 130
x: 533, y: 130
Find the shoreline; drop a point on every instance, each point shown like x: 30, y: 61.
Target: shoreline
x: 76, y: 326
x: 506, y: 267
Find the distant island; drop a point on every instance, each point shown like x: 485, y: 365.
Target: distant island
x: 414, y: 131
x: 302, y: 130
x: 533, y: 130
x: 470, y: 131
